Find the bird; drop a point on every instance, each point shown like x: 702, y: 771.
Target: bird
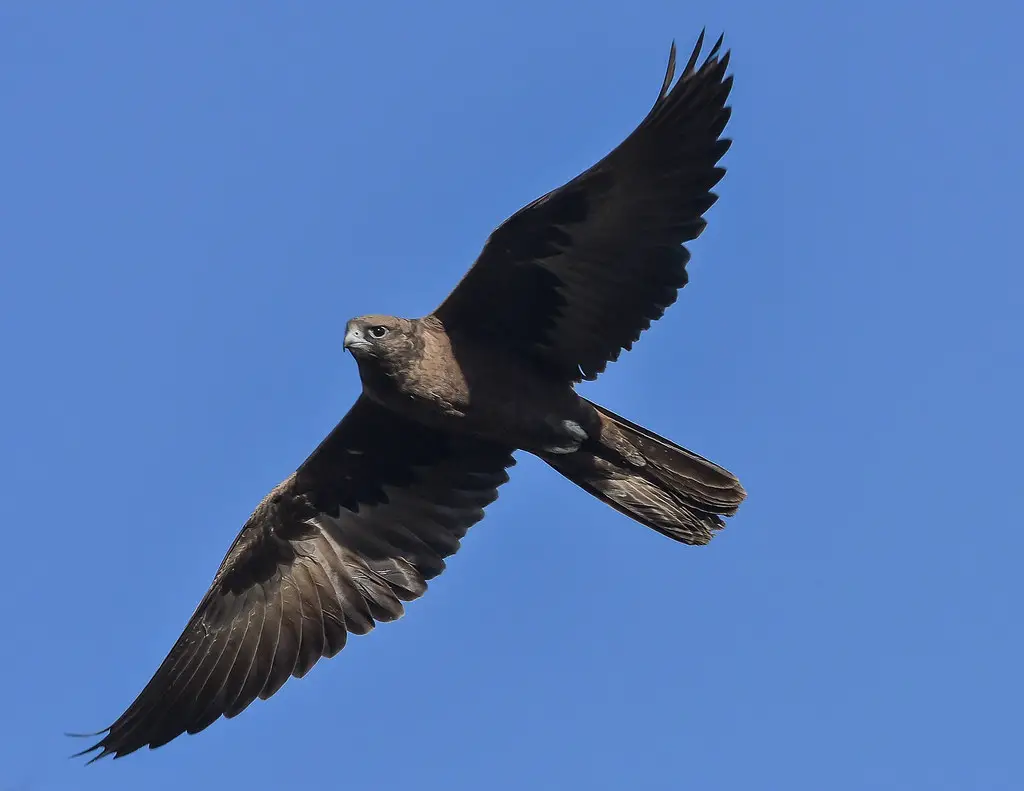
x: 558, y: 291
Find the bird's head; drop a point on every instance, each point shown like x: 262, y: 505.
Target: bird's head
x: 385, y: 339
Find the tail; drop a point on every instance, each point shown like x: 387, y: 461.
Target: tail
x: 652, y: 480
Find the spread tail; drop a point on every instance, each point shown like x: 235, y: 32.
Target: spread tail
x: 652, y: 480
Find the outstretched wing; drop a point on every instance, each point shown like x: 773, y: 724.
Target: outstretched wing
x: 575, y: 277
x: 358, y: 529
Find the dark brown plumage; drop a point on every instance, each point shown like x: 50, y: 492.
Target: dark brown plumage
x: 559, y: 290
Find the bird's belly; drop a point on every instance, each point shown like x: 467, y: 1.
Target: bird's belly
x: 540, y: 425
x: 504, y: 404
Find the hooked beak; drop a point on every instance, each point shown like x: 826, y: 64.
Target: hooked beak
x: 355, y: 340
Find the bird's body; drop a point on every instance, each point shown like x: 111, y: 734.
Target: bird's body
x: 460, y: 385
x: 560, y: 289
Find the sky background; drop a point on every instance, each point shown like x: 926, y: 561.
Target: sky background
x: 195, y: 197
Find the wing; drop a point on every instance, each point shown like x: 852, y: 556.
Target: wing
x: 359, y: 528
x: 575, y: 277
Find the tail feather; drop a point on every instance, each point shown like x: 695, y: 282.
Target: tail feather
x: 652, y: 480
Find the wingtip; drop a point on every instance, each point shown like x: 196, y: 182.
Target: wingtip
x: 104, y: 751
x: 718, y: 46
x: 712, y: 53
x: 692, y: 62
x: 103, y: 732
x: 670, y: 71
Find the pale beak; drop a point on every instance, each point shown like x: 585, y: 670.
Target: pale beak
x: 355, y: 339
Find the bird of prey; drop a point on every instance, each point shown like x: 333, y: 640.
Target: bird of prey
x: 559, y: 290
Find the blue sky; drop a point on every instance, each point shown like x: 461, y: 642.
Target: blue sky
x: 194, y: 199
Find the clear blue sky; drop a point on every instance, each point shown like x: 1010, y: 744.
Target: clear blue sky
x: 195, y: 197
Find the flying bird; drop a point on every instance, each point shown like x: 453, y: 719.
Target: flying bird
x: 559, y: 290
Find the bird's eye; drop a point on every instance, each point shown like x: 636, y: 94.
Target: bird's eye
x: 378, y: 331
